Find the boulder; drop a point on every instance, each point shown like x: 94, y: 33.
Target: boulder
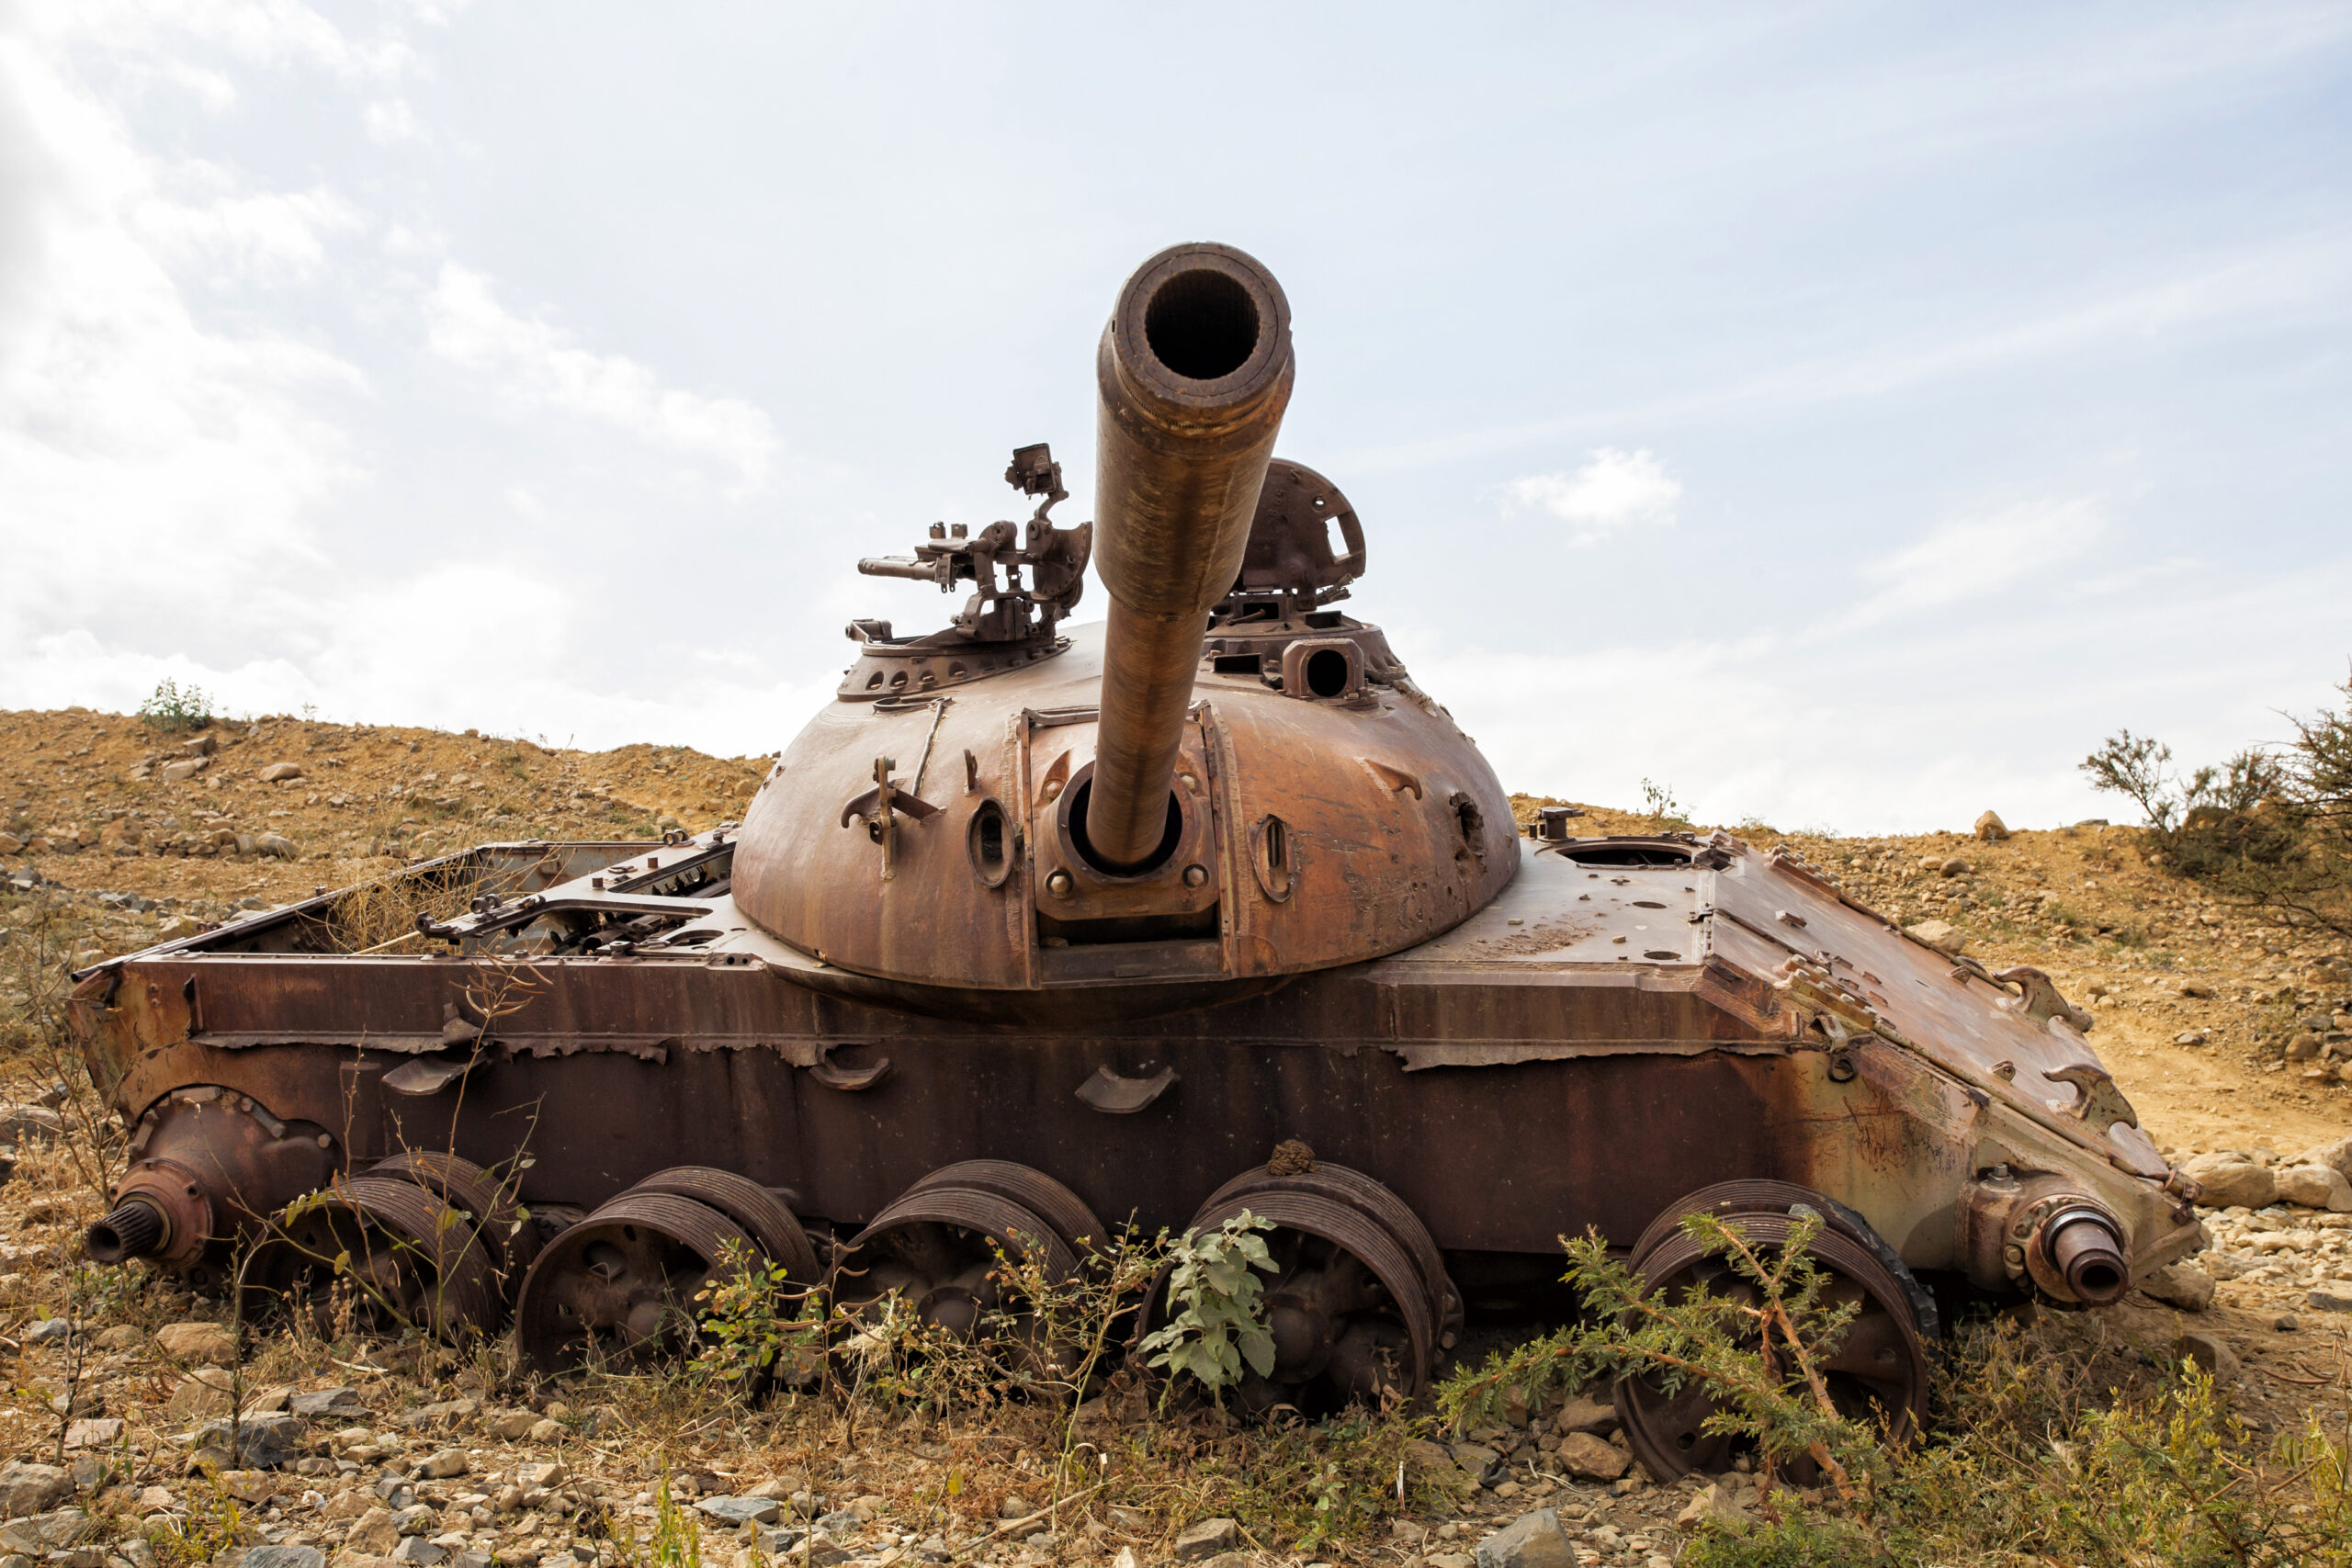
x: 1588, y: 1458
x: 1991, y: 829
x: 2336, y: 1156
x: 2325, y: 1300
x: 1206, y: 1539
x: 736, y: 1512
x: 1480, y: 1461
x: 445, y: 1464
x: 1585, y: 1414
x: 2211, y: 1352
x: 1942, y: 935
x: 1532, y: 1541
x: 2183, y: 1285
x: 326, y: 1404
x: 2230, y: 1180
x: 28, y: 1488
x: 212, y: 1343
x: 262, y: 1442
x: 281, y: 772
x: 2314, y: 1187
x: 1722, y: 1503
x: 373, y: 1533
x: 285, y: 1557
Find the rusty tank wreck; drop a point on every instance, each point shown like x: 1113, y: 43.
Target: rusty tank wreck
x: 1039, y: 926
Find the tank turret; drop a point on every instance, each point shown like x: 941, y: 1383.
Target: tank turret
x: 1225, y: 783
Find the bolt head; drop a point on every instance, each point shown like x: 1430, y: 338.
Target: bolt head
x: 1059, y: 885
x: 1194, y: 875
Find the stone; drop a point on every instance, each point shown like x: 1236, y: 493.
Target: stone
x: 1449, y: 1560
x: 2230, y: 1181
x: 1586, y: 1413
x: 2314, y: 1187
x: 175, y: 926
x: 1954, y: 868
x: 285, y: 1557
x: 417, y: 1549
x: 2336, y: 1156
x: 738, y: 1511
x: 550, y: 1474
x: 48, y: 1331
x: 2338, y: 1299
x: 1991, y: 829
x: 184, y: 768
x: 510, y: 1426
x: 1424, y: 1455
x: 263, y: 1442
x: 1478, y: 1461
x: 1590, y: 1459
x: 93, y: 1432
x: 544, y: 1430
x: 212, y: 1343
x: 29, y: 1124
x: 1532, y: 1541
x: 1720, y: 1504
x: 2183, y: 1285
x: 445, y: 1464
x: 29, y: 1488
x: 327, y: 1404
x: 2192, y: 1037
x: 275, y: 845
x: 122, y: 1337
x: 39, y: 1534
x: 1942, y: 935
x: 1206, y: 1539
x: 2211, y: 1352
x: 280, y: 773
x: 11, y: 845
x: 374, y: 1533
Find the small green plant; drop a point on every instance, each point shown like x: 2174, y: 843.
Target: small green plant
x: 213, y: 1524
x: 172, y: 708
x: 753, y: 1317
x: 1663, y: 808
x: 1758, y: 1350
x: 1214, y: 1289
x: 677, y: 1534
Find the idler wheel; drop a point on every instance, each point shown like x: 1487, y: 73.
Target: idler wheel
x: 760, y: 1212
x: 408, y: 1259
x: 1359, y: 1304
x: 620, y: 1285
x: 1879, y: 1370
x: 487, y: 1203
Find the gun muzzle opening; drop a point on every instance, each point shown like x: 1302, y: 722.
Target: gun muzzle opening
x: 1203, y: 325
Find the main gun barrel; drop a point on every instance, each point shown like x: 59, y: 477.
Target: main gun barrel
x: 1194, y: 372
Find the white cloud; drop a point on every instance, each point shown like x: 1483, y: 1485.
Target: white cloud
x: 1968, y: 557
x: 535, y: 365
x: 266, y: 237
x: 391, y: 121
x: 1614, y: 491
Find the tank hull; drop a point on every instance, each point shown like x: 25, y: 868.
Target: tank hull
x: 1600, y: 1040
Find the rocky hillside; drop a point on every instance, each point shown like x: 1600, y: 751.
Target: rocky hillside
x: 2229, y: 1036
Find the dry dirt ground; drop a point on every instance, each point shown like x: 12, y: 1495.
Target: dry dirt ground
x: 2194, y: 1006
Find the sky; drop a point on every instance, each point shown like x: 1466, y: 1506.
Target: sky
x: 1836, y: 415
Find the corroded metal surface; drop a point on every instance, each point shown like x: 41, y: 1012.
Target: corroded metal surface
x: 919, y: 950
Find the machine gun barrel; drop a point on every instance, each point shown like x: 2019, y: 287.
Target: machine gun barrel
x: 1194, y: 372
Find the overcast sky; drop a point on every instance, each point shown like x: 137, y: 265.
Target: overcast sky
x: 1841, y: 414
